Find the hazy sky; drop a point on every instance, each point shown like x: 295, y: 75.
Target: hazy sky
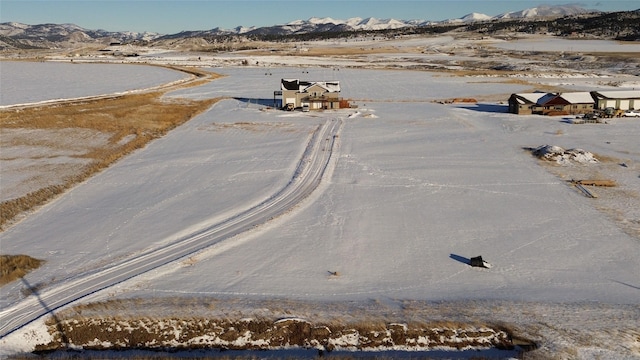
x: 168, y: 17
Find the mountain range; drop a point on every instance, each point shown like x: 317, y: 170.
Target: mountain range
x: 18, y: 35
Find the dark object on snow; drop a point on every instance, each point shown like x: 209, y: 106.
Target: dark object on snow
x: 478, y: 262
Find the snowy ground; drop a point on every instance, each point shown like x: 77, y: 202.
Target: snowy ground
x: 22, y: 82
x: 417, y: 188
x: 543, y: 43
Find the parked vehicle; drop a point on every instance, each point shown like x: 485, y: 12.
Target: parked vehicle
x: 305, y: 108
x: 609, y: 112
x: 631, y: 113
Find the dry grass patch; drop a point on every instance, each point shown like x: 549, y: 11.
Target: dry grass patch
x: 231, y: 324
x: 540, y: 329
x: 265, y: 333
x: 130, y: 122
x: 13, y: 267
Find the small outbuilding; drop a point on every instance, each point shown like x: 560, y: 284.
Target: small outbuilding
x: 617, y: 99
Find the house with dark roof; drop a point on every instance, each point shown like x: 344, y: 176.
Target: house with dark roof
x: 525, y: 103
x: 551, y: 103
x: 315, y: 95
x: 567, y: 103
x: 573, y: 102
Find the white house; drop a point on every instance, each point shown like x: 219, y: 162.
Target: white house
x: 314, y: 94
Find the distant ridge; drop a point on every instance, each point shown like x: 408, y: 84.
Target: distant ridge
x: 18, y: 35
x: 545, y: 11
x: 14, y: 29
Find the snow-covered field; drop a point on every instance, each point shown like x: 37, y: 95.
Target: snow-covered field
x: 22, y: 82
x: 540, y: 43
x: 416, y: 188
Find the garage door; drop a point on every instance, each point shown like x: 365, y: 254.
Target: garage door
x: 624, y: 104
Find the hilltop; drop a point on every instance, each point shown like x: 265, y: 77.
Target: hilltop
x: 568, y: 20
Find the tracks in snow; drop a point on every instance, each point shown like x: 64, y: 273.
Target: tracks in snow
x: 306, y: 178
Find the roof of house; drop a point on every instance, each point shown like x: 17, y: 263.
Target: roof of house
x: 578, y: 97
x: 529, y: 97
x: 618, y: 94
x: 290, y: 84
x: 544, y: 98
x: 331, y: 86
x: 302, y: 86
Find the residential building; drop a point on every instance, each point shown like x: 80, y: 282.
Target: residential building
x: 315, y: 95
x: 572, y: 103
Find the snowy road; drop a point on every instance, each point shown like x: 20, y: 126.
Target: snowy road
x: 308, y: 174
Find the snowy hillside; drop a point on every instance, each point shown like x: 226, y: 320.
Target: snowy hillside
x: 475, y: 17
x: 69, y: 32
x: 543, y: 11
x: 65, y: 32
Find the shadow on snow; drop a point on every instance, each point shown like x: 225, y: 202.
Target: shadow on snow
x: 276, y: 103
x: 461, y: 259
x: 488, y: 108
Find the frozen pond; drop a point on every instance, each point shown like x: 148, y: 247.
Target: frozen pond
x: 29, y: 82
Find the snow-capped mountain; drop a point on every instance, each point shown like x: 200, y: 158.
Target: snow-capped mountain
x: 544, y: 11
x: 475, y: 17
x: 52, y: 33
x: 316, y: 24
x: 380, y: 24
x: 14, y: 34
x: 469, y: 18
x: 355, y: 23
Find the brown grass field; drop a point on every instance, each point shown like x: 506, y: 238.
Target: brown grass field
x: 129, y: 122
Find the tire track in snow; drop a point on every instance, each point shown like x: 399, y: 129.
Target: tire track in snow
x: 306, y: 178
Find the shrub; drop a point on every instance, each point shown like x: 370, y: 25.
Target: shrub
x: 13, y: 267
